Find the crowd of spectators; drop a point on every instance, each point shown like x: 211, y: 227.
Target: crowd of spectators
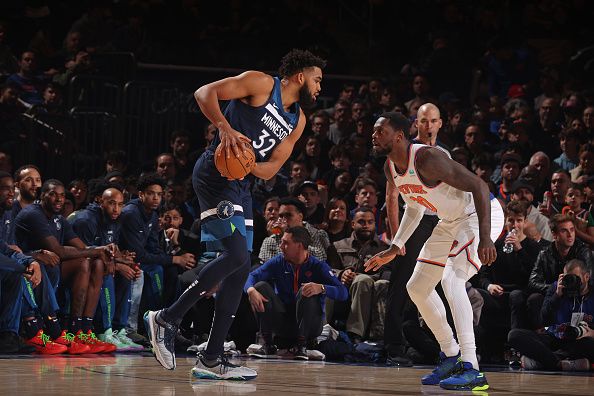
x: 522, y: 118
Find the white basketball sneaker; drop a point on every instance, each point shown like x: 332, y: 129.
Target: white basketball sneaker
x: 222, y: 369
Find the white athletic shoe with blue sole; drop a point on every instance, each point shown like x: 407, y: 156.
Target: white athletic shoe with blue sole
x: 222, y: 370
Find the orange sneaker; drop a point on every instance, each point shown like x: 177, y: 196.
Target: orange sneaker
x: 71, y: 342
x: 107, y: 346
x: 44, y: 345
x: 85, y: 339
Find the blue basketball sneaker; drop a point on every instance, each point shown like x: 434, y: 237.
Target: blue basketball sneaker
x: 468, y: 378
x: 445, y: 368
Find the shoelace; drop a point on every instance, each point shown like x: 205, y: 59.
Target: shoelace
x: 44, y: 338
x: 69, y: 337
x: 168, y: 337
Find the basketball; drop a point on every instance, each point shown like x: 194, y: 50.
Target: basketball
x: 235, y: 167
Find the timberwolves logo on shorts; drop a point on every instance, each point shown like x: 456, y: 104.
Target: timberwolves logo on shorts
x: 225, y: 210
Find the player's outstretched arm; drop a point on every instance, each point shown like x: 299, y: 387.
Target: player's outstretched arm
x: 267, y: 170
x: 434, y: 165
x: 251, y: 86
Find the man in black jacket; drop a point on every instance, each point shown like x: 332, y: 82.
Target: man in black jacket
x: 504, y: 285
x: 550, y: 261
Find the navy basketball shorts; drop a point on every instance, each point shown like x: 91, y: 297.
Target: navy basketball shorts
x: 225, y: 205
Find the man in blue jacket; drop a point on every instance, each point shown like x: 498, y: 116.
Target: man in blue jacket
x: 288, y: 291
x: 140, y: 235
x: 98, y: 225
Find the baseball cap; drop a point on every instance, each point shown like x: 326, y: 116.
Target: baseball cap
x: 521, y: 183
x: 307, y: 183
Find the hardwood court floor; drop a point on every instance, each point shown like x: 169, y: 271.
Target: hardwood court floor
x: 141, y: 375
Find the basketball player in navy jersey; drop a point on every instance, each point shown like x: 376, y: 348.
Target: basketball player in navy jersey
x: 263, y: 112
x: 470, y: 219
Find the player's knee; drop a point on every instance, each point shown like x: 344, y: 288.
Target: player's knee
x: 84, y: 266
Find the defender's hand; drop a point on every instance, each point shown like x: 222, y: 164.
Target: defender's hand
x: 383, y: 258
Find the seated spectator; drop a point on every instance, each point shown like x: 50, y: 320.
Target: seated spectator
x: 29, y: 82
x: 116, y: 160
x: 340, y: 160
x: 177, y: 194
x: 180, y: 148
x: 299, y: 172
x: 568, y: 309
x: 288, y: 293
x: 542, y: 164
x: 309, y: 194
x: 165, y: 166
x: 79, y: 189
x: 550, y: 261
x: 337, y: 222
x: 582, y: 218
x: 291, y: 215
x: 13, y: 266
x: 560, y: 182
x: 340, y: 182
x: 585, y: 169
x: 81, y: 269
x: 504, y: 284
x: 367, y: 291
x: 140, y: 235
x: 343, y: 126
x: 366, y: 195
x: 6, y: 201
x: 510, y: 170
x: 569, y: 140
x: 320, y: 124
x: 98, y: 225
x: 523, y: 191
x: 313, y: 158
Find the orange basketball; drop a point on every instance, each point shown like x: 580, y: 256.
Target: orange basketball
x: 235, y: 167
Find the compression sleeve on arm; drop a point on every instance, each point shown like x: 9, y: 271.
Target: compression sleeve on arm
x: 410, y: 221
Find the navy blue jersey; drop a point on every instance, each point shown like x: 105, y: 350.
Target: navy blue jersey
x: 265, y: 125
x: 94, y: 228
x: 32, y: 226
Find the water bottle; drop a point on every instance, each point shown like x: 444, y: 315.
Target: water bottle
x: 509, y: 247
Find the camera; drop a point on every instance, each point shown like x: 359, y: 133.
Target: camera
x: 571, y: 285
x: 575, y: 332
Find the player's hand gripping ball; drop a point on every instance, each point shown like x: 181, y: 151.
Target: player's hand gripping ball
x: 234, y: 168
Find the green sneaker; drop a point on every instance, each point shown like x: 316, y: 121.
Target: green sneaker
x: 112, y: 337
x: 121, y: 335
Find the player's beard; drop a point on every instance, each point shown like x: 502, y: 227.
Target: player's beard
x: 379, y: 152
x: 305, y: 98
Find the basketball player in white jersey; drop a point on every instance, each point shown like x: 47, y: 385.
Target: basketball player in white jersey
x: 462, y: 241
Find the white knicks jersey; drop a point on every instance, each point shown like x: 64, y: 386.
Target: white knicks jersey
x: 448, y: 202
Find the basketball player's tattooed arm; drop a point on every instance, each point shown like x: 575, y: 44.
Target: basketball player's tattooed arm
x: 266, y: 170
x: 435, y: 166
x: 252, y: 87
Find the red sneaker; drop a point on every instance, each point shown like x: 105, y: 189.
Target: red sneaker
x: 70, y: 341
x: 107, y: 346
x: 44, y: 345
x: 85, y: 339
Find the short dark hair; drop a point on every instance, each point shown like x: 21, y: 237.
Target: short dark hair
x: 179, y: 133
x: 167, y: 207
x: 149, y: 179
x: 362, y: 209
x: 300, y: 206
x: 561, y: 170
x: 50, y: 182
x: 558, y: 219
x: 5, y: 174
x: 300, y: 235
x: 398, y: 122
x: 17, y: 173
x: 117, y: 156
x: 516, y: 208
x: 96, y: 188
x: 297, y: 60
